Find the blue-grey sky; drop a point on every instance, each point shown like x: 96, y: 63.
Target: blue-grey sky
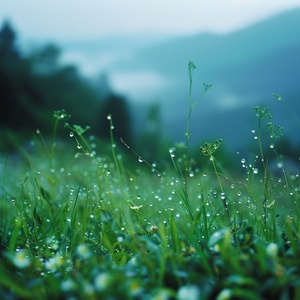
x: 77, y: 19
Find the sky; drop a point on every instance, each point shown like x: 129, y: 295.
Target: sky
x: 61, y: 20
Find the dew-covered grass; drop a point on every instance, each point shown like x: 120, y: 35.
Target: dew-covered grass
x: 81, y: 220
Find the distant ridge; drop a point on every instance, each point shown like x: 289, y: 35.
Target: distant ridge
x: 245, y: 67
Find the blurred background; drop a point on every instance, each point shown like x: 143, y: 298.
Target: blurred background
x: 130, y: 59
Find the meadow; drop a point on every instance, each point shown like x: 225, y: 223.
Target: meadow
x: 87, y: 220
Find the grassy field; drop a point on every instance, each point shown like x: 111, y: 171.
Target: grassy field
x: 80, y: 221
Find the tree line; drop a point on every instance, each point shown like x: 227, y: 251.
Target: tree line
x: 34, y: 84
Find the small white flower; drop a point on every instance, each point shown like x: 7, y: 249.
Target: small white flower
x: 188, y: 292
x: 54, y: 263
x: 162, y: 294
x: 136, y: 207
x: 135, y: 288
x: 102, y: 281
x: 83, y: 251
x: 21, y: 260
x: 272, y: 250
x: 153, y: 229
x: 225, y: 294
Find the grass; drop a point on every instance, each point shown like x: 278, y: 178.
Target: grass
x: 77, y: 223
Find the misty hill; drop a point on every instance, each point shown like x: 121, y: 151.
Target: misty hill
x: 244, y: 67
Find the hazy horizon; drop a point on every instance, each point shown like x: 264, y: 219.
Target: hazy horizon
x: 62, y: 21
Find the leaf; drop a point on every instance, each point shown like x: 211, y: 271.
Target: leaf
x: 174, y: 234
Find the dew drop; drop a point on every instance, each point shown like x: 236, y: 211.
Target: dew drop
x: 71, y: 134
x: 140, y: 160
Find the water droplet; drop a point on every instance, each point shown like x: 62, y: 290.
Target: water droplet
x: 71, y: 134
x: 140, y: 159
x: 255, y: 171
x: 271, y: 146
x: 109, y: 117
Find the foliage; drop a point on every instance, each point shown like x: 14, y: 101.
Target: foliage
x: 34, y: 84
x: 115, y: 106
x: 77, y: 223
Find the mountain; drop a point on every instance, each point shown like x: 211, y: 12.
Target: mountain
x: 244, y: 67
